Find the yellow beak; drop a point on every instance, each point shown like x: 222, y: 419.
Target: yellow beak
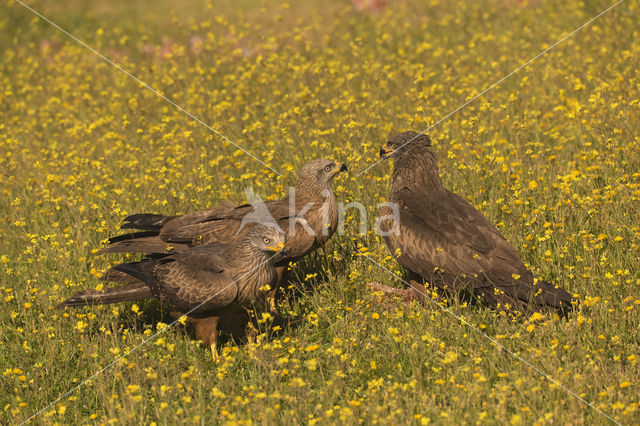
x: 385, y: 151
x: 277, y: 248
x: 341, y: 168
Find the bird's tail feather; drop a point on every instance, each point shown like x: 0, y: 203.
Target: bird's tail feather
x: 553, y: 297
x: 144, y: 244
x: 146, y: 221
x: 132, y: 236
x: 114, y: 275
x: 134, y: 269
x: 135, y: 291
x: 543, y: 297
x: 136, y: 288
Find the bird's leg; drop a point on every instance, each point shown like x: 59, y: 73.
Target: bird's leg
x: 251, y: 335
x: 271, y: 296
x: 207, y: 331
x: 414, y: 277
x: 417, y: 290
x: 249, y: 327
x: 214, y: 352
x: 178, y: 314
x: 239, y: 323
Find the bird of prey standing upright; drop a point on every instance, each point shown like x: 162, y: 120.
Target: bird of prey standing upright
x: 309, y: 216
x: 442, y: 239
x: 213, y: 284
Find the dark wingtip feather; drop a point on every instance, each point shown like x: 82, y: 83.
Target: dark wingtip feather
x: 557, y: 298
x: 132, y: 236
x: 113, y: 275
x: 134, y: 269
x: 151, y: 244
x: 146, y: 221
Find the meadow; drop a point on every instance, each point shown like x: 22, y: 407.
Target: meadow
x: 551, y: 155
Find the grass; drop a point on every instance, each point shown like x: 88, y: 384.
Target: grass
x: 550, y: 155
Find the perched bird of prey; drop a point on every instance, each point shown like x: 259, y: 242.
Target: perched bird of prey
x: 309, y: 216
x: 213, y: 284
x: 442, y: 239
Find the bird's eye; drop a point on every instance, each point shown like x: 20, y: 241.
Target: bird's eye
x: 327, y: 169
x: 267, y: 240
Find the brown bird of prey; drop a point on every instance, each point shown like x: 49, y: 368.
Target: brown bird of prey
x: 213, y: 284
x: 442, y: 239
x: 309, y: 216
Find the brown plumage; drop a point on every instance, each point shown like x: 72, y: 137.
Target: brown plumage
x: 444, y: 240
x: 213, y: 283
x: 309, y: 216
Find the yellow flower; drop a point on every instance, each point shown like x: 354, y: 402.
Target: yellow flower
x: 81, y: 325
x: 311, y: 364
x: 450, y: 357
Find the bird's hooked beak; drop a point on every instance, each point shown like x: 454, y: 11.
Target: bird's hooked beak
x: 385, y: 152
x: 277, y: 249
x: 342, y: 168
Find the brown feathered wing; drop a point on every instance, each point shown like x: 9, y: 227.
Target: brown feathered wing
x: 200, y: 279
x: 222, y: 224
x: 445, y: 240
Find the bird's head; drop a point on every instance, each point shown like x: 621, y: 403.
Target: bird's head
x: 268, y: 238
x: 321, y: 171
x: 415, y: 165
x: 402, y: 143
